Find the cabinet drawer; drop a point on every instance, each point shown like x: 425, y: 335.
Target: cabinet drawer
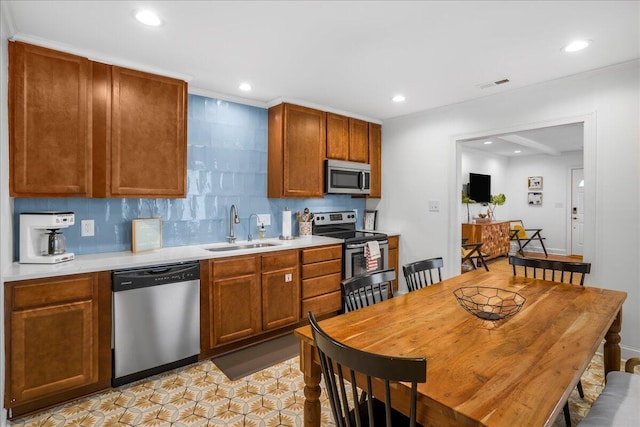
x: 322, y: 304
x: 280, y: 260
x: 234, y: 267
x: 321, y: 285
x: 321, y: 268
x: 35, y: 293
x: 321, y: 254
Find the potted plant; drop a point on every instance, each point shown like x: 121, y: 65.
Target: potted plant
x: 497, y: 200
x: 467, y: 201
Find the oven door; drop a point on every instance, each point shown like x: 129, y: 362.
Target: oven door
x: 355, y: 263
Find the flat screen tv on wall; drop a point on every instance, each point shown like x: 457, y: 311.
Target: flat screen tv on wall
x: 479, y: 187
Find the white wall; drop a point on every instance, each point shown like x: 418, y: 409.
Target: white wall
x: 6, y: 204
x: 473, y: 161
x: 553, y: 216
x: 421, y: 162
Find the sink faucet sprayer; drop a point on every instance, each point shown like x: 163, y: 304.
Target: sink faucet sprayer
x: 250, y: 237
x: 233, y: 219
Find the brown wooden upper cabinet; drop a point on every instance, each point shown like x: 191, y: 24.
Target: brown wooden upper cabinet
x: 347, y: 138
x: 296, y: 152
x: 87, y: 129
x: 49, y: 123
x: 375, y: 159
x: 142, y: 138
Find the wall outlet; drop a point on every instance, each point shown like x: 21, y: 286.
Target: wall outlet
x: 434, y: 205
x: 87, y: 228
x: 264, y: 219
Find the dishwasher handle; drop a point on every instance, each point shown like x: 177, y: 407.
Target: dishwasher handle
x: 124, y: 280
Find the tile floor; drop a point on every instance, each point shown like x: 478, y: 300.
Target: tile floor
x: 201, y: 395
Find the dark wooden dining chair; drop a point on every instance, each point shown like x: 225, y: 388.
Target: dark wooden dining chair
x: 472, y: 255
x: 340, y: 364
x: 555, y: 271
x: 422, y: 273
x: 524, y: 236
x: 367, y: 289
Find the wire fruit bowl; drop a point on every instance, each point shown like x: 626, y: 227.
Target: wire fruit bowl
x: 489, y: 303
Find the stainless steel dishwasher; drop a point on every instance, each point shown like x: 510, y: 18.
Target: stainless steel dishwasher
x: 156, y: 320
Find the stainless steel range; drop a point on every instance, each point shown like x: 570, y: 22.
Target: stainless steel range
x: 342, y: 225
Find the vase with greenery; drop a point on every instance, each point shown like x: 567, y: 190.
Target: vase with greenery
x: 467, y: 201
x: 497, y: 200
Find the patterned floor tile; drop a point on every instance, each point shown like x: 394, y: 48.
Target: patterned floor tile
x: 201, y: 395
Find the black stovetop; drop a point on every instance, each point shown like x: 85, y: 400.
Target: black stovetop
x: 341, y: 225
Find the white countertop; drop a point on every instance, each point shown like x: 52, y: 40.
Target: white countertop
x: 123, y: 260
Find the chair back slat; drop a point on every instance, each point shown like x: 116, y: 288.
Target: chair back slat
x: 340, y: 364
x: 558, y: 271
x: 365, y: 290
x: 420, y: 274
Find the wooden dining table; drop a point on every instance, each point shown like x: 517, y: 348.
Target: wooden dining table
x: 511, y: 372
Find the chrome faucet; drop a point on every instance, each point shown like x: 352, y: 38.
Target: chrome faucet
x: 250, y: 237
x: 233, y: 219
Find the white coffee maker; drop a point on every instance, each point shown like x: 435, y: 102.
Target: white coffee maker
x: 41, y: 241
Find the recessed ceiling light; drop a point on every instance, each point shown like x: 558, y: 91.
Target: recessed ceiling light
x: 576, y: 45
x: 398, y: 98
x: 517, y: 151
x: 488, y: 142
x: 147, y: 17
x: 245, y: 87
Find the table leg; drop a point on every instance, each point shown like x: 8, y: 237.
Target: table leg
x: 312, y: 390
x: 612, y: 345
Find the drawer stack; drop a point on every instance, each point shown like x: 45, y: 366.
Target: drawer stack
x: 321, y: 274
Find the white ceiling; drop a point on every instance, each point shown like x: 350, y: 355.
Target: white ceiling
x: 553, y: 141
x: 344, y: 56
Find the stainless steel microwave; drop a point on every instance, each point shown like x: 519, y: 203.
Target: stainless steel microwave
x: 347, y: 177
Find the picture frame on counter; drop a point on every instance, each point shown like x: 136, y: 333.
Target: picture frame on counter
x: 370, y: 220
x: 146, y: 234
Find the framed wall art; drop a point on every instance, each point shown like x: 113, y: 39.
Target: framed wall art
x: 370, y: 220
x: 535, y: 183
x: 146, y: 234
x: 535, y: 198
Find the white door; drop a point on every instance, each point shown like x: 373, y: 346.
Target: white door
x: 577, y: 211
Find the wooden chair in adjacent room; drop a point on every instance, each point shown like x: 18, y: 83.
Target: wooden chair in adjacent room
x: 555, y: 271
x: 472, y: 255
x: 367, y: 289
x: 340, y: 364
x: 422, y: 273
x: 524, y: 236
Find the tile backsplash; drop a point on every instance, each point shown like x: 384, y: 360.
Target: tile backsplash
x: 226, y: 164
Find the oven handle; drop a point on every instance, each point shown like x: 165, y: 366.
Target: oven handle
x: 362, y: 245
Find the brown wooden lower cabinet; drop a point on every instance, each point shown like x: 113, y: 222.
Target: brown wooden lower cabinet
x: 394, y: 258
x: 58, y: 340
x: 245, y: 296
x: 494, y: 236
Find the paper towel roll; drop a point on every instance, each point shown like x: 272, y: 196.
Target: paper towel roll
x: 286, y: 223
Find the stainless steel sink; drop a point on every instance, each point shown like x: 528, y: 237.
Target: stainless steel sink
x: 241, y: 246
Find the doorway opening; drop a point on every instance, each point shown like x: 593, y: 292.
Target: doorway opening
x: 561, y: 143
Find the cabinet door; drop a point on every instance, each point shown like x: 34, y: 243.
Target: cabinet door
x: 375, y: 159
x: 358, y: 140
x: 394, y: 258
x: 337, y: 137
x: 58, y: 335
x: 280, y: 290
x: 148, y: 135
x: 235, y: 299
x: 49, y: 123
x: 297, y: 144
x: 280, y: 298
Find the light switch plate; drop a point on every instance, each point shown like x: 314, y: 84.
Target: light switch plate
x: 264, y: 219
x: 87, y: 228
x: 434, y: 205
